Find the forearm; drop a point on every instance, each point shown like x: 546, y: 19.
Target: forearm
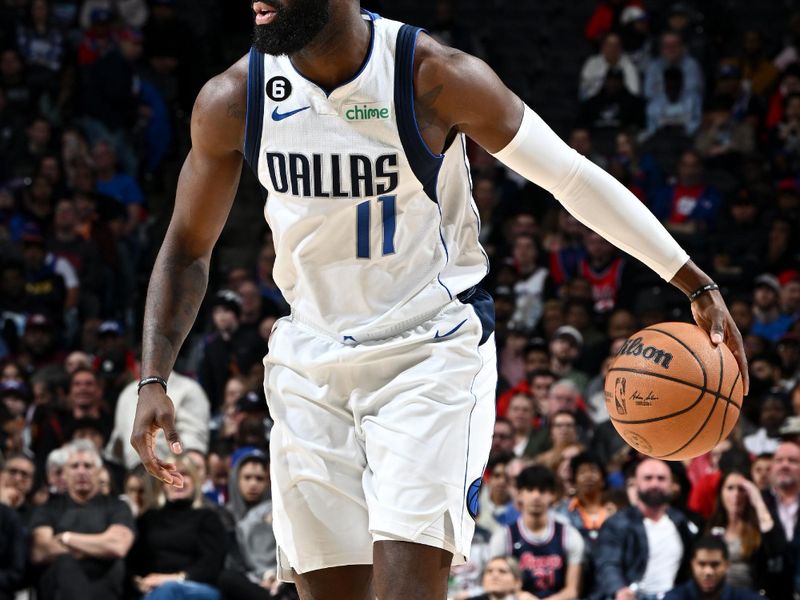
x: 46, y: 552
x: 97, y: 545
x: 177, y: 287
x: 591, y: 195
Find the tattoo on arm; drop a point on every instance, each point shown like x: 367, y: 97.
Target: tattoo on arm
x: 235, y: 111
x: 426, y: 113
x: 176, y: 290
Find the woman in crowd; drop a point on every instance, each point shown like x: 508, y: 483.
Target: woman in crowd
x: 180, y: 546
x: 502, y: 580
x: 754, y: 540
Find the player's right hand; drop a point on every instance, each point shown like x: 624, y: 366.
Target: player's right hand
x: 153, y: 412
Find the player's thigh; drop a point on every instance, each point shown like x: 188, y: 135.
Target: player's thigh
x: 316, y: 460
x: 428, y: 437
x: 406, y: 570
x: 337, y: 583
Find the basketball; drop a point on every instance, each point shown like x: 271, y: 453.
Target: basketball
x: 672, y: 394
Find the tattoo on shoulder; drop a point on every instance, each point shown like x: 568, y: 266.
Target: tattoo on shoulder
x: 235, y: 111
x: 426, y: 113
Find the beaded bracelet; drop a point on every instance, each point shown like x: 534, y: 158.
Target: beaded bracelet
x: 709, y: 287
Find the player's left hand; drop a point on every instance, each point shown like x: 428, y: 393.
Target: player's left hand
x: 711, y: 313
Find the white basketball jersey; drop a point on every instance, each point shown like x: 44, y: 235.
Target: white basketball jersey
x: 373, y: 232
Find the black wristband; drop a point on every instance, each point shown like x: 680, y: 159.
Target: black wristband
x: 154, y: 379
x: 709, y: 287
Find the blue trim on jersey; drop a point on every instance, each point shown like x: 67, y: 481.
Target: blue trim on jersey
x: 471, y: 201
x: 372, y: 17
x: 424, y: 163
x: 483, y: 305
x: 255, y: 109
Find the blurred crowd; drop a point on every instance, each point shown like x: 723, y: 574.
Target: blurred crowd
x: 703, y: 128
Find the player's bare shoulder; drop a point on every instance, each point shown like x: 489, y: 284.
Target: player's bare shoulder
x: 457, y: 91
x: 220, y: 110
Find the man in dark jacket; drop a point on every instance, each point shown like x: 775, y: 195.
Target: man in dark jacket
x: 709, y: 568
x: 642, y: 551
x: 13, y: 552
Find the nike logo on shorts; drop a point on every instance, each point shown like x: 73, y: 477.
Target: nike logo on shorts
x: 451, y: 332
x: 276, y: 116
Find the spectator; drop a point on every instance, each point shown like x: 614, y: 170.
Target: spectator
x: 739, y: 240
x: 521, y: 413
x: 13, y: 552
x: 784, y: 496
x: 496, y: 505
x: 565, y: 350
x: 673, y: 54
x: 755, y: 542
x: 250, y: 566
x: 643, y: 549
x: 673, y: 108
x: 611, y: 109
x: 710, y: 570
x: 688, y: 206
x: 502, y: 580
x: 722, y: 140
x: 191, y: 408
x: 790, y: 297
x: 503, y: 436
x: 596, y: 68
x: 760, y: 470
x: 16, y: 484
x: 563, y: 434
x: 766, y: 438
x: 636, y: 39
x: 120, y: 186
x: 586, y: 510
x: 230, y: 350
x: 41, y: 45
x: 85, y: 398
x: 784, y: 139
x: 180, y: 548
x: 769, y: 320
x: 80, y: 538
x: 549, y: 552
x: 531, y: 282
x: 756, y: 68
x: 114, y: 360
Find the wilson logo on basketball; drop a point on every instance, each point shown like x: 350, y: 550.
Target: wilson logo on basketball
x: 634, y: 347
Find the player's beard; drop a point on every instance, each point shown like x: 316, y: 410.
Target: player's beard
x: 295, y: 25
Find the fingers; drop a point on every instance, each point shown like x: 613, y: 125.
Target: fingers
x: 144, y: 444
x: 736, y: 346
x: 166, y: 420
x: 717, y: 329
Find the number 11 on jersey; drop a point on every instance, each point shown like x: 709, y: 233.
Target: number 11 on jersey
x: 388, y: 214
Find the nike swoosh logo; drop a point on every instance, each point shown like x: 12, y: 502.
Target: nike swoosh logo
x: 276, y: 116
x: 451, y: 332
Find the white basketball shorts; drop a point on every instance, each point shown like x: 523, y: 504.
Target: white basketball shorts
x: 381, y: 440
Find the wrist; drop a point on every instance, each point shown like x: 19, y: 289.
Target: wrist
x: 151, y: 380
x: 690, y: 278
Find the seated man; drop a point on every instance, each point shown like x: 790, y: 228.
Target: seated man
x: 13, y: 552
x: 710, y: 563
x: 549, y: 551
x: 80, y: 538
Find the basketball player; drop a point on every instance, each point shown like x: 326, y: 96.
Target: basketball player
x: 381, y: 383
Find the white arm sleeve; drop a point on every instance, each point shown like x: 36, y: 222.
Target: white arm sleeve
x: 591, y: 195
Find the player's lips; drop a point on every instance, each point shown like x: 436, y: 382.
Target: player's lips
x: 265, y: 13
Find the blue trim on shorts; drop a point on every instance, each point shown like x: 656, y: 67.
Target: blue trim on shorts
x: 483, y: 305
x: 255, y: 109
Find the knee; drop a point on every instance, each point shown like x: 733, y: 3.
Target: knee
x: 166, y: 591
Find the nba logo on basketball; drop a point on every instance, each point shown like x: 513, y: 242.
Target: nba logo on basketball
x: 619, y: 396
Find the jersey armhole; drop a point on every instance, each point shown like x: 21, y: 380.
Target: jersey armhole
x: 424, y: 163
x: 255, y: 109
